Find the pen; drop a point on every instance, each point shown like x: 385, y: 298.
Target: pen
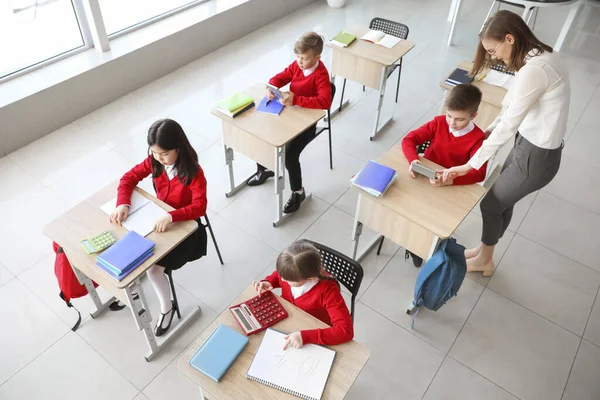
x: 481, y: 77
x: 267, y: 103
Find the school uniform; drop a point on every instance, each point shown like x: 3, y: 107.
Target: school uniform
x: 312, y: 89
x: 323, y: 300
x: 448, y: 148
x: 189, y: 202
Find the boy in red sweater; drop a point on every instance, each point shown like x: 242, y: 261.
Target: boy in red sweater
x: 310, y: 88
x: 305, y: 284
x: 453, y: 137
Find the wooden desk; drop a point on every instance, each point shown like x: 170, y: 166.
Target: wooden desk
x: 86, y: 219
x: 262, y: 137
x: 412, y: 213
x: 349, y: 360
x: 368, y: 64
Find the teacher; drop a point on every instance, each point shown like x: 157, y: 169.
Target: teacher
x: 534, y: 112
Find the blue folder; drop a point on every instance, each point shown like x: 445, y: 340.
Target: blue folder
x: 120, y: 275
x: 274, y: 106
x: 219, y: 352
x: 375, y: 178
x: 126, y: 252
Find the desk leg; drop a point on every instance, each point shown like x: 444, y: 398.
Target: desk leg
x: 356, y: 232
x: 89, y: 285
x: 229, y: 161
x: 567, y: 25
x: 455, y: 11
x: 343, y: 104
x: 376, y: 128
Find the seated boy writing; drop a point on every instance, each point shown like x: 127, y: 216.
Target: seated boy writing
x: 309, y: 88
x: 454, y: 139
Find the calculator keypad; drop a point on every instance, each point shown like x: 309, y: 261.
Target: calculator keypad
x: 266, y: 309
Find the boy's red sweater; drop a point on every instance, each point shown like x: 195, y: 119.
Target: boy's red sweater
x: 313, y: 91
x: 188, y: 201
x: 446, y: 149
x: 325, y: 302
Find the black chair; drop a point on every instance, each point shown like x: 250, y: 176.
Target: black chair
x: 328, y: 128
x: 422, y: 147
x: 169, y: 272
x: 390, y: 28
x: 347, y: 271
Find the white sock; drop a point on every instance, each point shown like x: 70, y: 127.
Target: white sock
x: 299, y: 191
x: 156, y: 276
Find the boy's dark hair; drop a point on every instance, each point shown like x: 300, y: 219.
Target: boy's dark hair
x: 169, y: 135
x: 463, y: 97
x: 310, y: 41
x: 300, y: 261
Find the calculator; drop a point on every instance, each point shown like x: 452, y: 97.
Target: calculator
x: 258, y: 313
x: 99, y: 242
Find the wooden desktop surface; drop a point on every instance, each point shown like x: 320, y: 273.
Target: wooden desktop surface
x: 439, y: 210
x: 371, y: 51
x: 349, y: 360
x: 491, y: 94
x: 86, y: 219
x: 273, y: 129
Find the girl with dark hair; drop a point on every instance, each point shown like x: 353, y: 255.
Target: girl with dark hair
x: 178, y: 181
x: 534, y: 112
x: 305, y: 284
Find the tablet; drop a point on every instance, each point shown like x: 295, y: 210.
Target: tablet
x: 275, y: 91
x: 423, y: 170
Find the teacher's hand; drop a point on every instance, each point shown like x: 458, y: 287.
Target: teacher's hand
x: 454, y: 172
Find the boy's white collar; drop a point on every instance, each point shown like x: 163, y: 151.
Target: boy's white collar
x: 463, y: 131
x: 309, y: 71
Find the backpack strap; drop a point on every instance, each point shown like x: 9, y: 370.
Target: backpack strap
x: 74, y: 328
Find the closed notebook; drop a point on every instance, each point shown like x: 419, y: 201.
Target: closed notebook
x: 274, y: 106
x: 126, y: 252
x: 121, y: 275
x: 459, y: 76
x: 343, y: 39
x: 374, y: 178
x: 219, y: 352
x: 235, y: 102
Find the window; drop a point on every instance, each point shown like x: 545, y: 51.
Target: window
x: 122, y: 14
x: 33, y: 31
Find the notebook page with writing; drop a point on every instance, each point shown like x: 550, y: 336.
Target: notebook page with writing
x: 301, y: 372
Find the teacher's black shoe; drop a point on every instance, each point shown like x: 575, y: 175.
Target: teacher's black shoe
x: 159, y: 330
x: 260, y: 177
x: 417, y: 261
x: 293, y: 204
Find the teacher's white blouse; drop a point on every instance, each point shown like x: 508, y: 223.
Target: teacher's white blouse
x: 537, y: 105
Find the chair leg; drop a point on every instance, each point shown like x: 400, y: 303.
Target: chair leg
x: 364, y: 88
x: 175, y: 302
x: 212, y: 235
x: 342, y: 96
x: 329, y: 133
x: 488, y: 15
x: 398, y: 84
x: 380, y: 245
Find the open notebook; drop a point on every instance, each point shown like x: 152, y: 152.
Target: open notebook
x: 142, y: 216
x: 301, y: 372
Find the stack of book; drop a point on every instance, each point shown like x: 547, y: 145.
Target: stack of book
x: 343, y: 39
x: 125, y: 255
x: 374, y: 178
x: 235, y: 105
x: 459, y: 76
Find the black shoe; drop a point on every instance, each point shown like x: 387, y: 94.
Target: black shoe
x: 260, y: 177
x: 159, y: 330
x: 417, y: 261
x: 293, y: 204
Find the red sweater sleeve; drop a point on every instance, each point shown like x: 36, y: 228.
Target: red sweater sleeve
x: 416, y: 138
x: 197, y: 207
x: 474, y: 175
x: 130, y: 180
x: 341, y: 331
x: 322, y: 101
x: 282, y: 78
x: 273, y: 279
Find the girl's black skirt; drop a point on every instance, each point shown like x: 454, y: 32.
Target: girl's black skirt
x: 192, y: 248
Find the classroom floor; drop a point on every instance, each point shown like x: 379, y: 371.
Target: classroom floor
x: 532, y: 331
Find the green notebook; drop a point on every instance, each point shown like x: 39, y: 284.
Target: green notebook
x: 343, y: 39
x: 235, y: 102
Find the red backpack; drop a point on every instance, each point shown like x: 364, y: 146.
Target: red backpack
x: 70, y: 288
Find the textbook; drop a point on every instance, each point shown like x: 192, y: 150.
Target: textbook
x: 382, y: 39
x: 459, y: 76
x: 129, y: 252
x: 374, y: 178
x: 219, y: 352
x: 274, y: 106
x: 235, y: 105
x: 343, y: 39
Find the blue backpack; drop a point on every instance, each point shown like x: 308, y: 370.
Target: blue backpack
x: 441, y: 276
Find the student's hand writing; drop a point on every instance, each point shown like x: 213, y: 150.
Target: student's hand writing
x: 120, y: 214
x: 163, y: 223
x: 262, y: 286
x: 288, y: 99
x: 454, y: 172
x: 269, y: 95
x: 410, y: 168
x: 294, y: 340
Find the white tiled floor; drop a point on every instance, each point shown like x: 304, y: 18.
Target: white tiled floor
x: 532, y: 331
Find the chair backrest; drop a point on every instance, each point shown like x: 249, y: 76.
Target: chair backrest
x: 389, y: 27
x: 422, y: 147
x: 333, y: 89
x: 347, y: 271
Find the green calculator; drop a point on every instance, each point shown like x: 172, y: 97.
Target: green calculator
x: 99, y: 242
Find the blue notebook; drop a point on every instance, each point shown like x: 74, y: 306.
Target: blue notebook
x: 274, y: 106
x: 219, y: 351
x: 374, y: 178
x: 120, y: 275
x: 126, y: 252
x: 459, y: 76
